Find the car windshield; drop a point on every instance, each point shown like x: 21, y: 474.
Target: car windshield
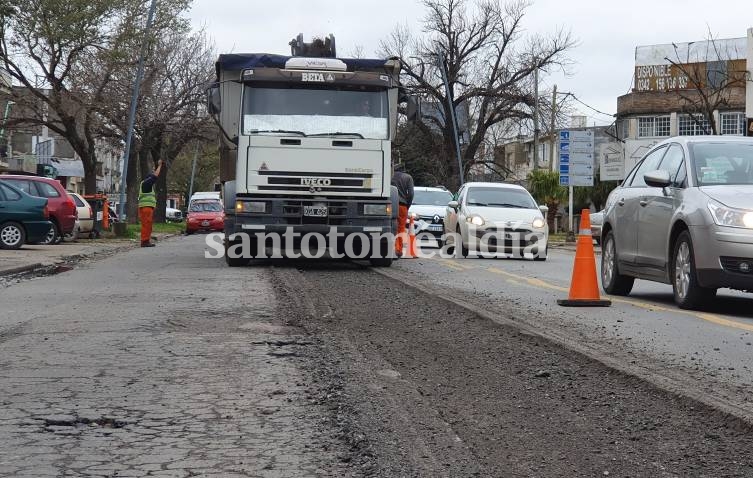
x: 723, y: 163
x: 431, y: 198
x: 342, y: 111
x: 205, y: 206
x: 500, y: 197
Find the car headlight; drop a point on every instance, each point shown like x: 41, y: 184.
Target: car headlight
x: 727, y: 216
x: 377, y: 209
x: 476, y: 220
x: 538, y: 223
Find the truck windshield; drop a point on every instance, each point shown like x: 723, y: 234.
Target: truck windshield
x: 337, y: 111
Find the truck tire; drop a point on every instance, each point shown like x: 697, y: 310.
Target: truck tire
x: 234, y: 261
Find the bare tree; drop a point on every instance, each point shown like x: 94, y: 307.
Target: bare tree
x: 490, y: 66
x: 705, y: 87
x: 46, y: 45
x: 171, y: 108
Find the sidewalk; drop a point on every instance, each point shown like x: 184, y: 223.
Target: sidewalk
x: 31, y: 257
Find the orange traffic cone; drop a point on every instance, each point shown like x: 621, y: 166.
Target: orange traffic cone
x: 411, y: 254
x: 584, y: 288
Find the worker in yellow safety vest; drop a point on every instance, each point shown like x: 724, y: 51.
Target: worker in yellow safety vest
x: 147, y: 203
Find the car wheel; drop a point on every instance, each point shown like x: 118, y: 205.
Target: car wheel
x: 688, y: 293
x: 464, y: 251
x: 189, y: 232
x: 538, y: 257
x: 611, y: 280
x: 72, y: 236
x: 236, y: 261
x: 53, y: 236
x: 12, y: 235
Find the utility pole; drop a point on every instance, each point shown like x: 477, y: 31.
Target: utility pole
x: 451, y: 105
x: 193, y: 169
x: 552, y: 131
x: 132, y: 113
x: 536, y: 118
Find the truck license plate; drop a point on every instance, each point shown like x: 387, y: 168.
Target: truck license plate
x: 317, y: 210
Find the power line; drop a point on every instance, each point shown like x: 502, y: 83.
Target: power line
x: 591, y: 107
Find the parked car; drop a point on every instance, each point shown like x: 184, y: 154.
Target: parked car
x: 61, y: 206
x: 428, y: 209
x: 85, y: 214
x: 683, y: 216
x: 173, y: 215
x: 23, y: 217
x: 597, y: 219
x: 500, y: 217
x: 205, y: 215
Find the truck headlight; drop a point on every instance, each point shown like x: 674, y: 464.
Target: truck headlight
x: 377, y: 209
x: 538, y: 223
x: 476, y: 220
x: 727, y: 216
x: 258, y: 207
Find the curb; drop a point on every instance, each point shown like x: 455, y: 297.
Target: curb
x: 673, y: 382
x: 21, y: 269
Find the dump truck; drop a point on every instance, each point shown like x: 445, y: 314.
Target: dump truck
x: 305, y: 148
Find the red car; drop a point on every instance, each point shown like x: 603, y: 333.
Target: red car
x: 205, y: 216
x: 62, y: 209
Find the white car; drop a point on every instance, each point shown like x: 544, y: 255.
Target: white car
x: 428, y: 209
x: 173, y: 215
x: 497, y: 218
x: 85, y: 221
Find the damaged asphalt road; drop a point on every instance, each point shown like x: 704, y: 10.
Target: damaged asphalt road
x: 434, y: 390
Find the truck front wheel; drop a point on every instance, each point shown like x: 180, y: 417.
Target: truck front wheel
x: 234, y: 260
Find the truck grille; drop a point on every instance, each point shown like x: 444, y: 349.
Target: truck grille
x: 316, y: 182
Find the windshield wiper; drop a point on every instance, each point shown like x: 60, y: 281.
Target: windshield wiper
x: 472, y: 203
x: 505, y: 204
x: 290, y: 131
x: 337, y: 133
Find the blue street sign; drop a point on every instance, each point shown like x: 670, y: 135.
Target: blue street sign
x: 564, y: 180
x: 564, y: 169
x: 564, y: 158
x: 564, y: 135
x: 564, y: 147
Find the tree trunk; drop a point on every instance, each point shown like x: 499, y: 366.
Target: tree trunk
x: 551, y: 214
x: 90, y: 176
x: 161, y: 190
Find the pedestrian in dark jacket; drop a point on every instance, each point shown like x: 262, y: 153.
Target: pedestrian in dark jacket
x: 404, y: 184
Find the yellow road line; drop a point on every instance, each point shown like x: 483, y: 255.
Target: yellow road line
x: 714, y: 319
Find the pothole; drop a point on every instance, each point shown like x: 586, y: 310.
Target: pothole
x: 57, y: 422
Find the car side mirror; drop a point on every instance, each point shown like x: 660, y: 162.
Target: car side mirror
x: 544, y: 209
x: 453, y: 204
x: 657, y: 179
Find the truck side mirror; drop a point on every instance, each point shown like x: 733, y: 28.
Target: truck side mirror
x: 213, y: 99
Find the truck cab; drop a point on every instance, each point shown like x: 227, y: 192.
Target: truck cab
x: 306, y: 146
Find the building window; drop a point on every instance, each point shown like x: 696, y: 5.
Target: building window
x: 732, y: 123
x: 691, y: 125
x: 653, y: 126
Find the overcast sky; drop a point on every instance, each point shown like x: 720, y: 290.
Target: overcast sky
x: 607, y: 31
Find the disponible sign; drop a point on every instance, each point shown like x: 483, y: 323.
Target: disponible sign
x: 660, y: 78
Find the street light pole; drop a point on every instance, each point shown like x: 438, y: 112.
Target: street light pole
x: 536, y: 118
x: 132, y: 113
x: 193, y: 170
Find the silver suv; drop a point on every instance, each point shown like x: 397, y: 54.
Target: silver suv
x: 683, y: 216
